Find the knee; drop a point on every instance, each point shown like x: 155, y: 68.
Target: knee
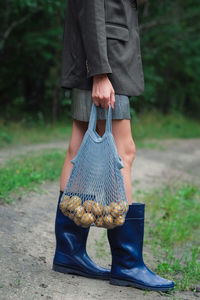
x: 129, y: 152
x: 72, y: 150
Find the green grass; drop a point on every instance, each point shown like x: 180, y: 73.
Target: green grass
x: 100, y: 245
x: 154, y: 125
x: 149, y: 144
x: 17, y: 133
x: 151, y: 125
x: 173, y: 230
x: 26, y: 172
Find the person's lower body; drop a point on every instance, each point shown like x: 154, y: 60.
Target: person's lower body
x: 127, y: 262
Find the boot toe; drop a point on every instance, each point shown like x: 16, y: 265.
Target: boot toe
x: 164, y: 283
x: 155, y: 282
x: 141, y: 277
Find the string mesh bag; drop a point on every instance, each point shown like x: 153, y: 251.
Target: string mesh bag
x: 95, y: 193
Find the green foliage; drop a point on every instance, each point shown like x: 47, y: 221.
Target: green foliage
x: 174, y: 224
x: 30, y: 57
x: 171, y: 46
x: 153, y: 124
x: 26, y: 172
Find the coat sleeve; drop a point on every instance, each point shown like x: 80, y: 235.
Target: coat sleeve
x: 91, y: 18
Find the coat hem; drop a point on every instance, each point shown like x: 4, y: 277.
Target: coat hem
x: 117, y: 91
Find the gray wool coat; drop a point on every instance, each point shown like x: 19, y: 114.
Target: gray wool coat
x: 102, y: 36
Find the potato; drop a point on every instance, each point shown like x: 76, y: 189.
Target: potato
x: 97, y: 209
x: 119, y: 221
x: 63, y: 206
x: 108, y: 220
x: 118, y: 209
x: 99, y: 222
x: 87, y: 219
x: 66, y: 213
x: 64, y: 203
x: 112, y: 205
x: 79, y: 211
x: 88, y: 204
x: 71, y: 206
x: 73, y: 203
x: 124, y: 206
x: 77, y: 200
x: 77, y: 220
x: 71, y: 216
x: 106, y: 210
x: 116, y: 212
x: 66, y: 197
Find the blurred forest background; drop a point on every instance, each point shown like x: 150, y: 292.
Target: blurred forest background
x: 30, y: 59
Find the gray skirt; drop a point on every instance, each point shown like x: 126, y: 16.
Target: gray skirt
x: 82, y: 104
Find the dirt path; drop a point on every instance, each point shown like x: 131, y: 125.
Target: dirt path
x: 27, y: 231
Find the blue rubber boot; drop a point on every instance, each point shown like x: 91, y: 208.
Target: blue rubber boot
x: 70, y: 255
x: 126, y: 242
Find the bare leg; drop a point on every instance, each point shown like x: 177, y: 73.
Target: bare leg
x: 78, y: 130
x: 121, y: 130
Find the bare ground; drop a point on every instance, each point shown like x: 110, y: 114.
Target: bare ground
x: 27, y: 230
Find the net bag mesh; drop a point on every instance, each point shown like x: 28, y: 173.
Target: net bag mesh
x: 95, y: 193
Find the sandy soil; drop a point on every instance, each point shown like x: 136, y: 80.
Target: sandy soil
x: 27, y: 231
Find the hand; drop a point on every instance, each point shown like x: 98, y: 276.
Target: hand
x: 102, y: 91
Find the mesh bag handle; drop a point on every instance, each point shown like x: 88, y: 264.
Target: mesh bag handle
x: 95, y: 192
x: 93, y: 119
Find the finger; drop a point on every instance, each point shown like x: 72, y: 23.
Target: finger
x: 103, y: 103
x: 112, y: 100
x: 107, y: 102
x: 107, y: 105
x: 96, y: 101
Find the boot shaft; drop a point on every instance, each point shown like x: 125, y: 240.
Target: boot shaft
x: 70, y: 255
x: 69, y: 236
x: 127, y: 240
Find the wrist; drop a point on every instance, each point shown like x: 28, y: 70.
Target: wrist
x: 100, y: 76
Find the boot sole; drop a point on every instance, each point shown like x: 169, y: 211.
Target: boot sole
x: 66, y: 270
x: 119, y: 282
